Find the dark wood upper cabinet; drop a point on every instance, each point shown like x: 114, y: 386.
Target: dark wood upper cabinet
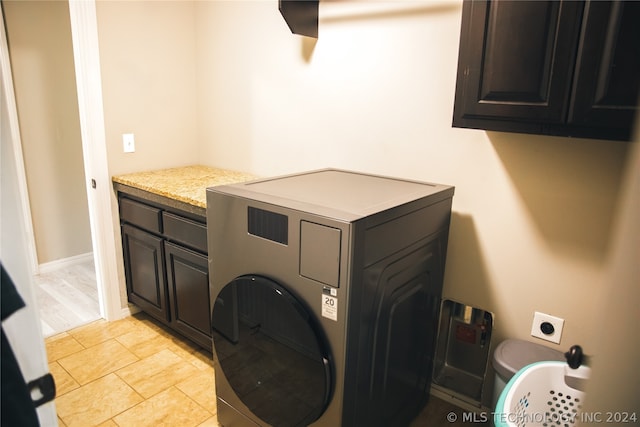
x: 565, y: 68
x: 607, y: 79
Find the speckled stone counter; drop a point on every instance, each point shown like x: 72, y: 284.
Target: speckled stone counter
x: 183, y: 187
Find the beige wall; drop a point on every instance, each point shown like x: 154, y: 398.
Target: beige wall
x: 149, y: 88
x: 533, y: 216
x: 615, y: 383
x: 148, y: 66
x: 226, y: 84
x: 42, y: 60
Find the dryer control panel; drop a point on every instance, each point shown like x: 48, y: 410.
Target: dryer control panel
x: 320, y: 253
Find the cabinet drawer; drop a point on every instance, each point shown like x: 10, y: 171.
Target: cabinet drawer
x: 185, y: 231
x: 142, y: 215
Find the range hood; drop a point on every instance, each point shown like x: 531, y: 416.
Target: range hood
x: 301, y: 16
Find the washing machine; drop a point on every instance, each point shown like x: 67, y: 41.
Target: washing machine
x: 325, y: 288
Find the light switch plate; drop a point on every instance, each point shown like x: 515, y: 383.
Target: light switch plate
x: 537, y: 330
x: 128, y: 143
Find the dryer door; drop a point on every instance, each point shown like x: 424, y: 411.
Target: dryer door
x: 277, y: 361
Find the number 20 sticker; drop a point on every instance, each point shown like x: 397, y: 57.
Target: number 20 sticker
x: 330, y: 307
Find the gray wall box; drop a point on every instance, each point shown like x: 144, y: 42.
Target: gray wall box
x: 462, y: 353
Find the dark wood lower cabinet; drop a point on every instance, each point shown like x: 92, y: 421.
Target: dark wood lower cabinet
x: 188, y: 283
x: 166, y: 266
x: 144, y: 270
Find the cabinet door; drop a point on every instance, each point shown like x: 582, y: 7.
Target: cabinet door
x: 188, y: 279
x: 516, y: 62
x: 144, y: 271
x: 607, y: 78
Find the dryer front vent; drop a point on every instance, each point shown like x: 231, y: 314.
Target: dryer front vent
x: 268, y: 225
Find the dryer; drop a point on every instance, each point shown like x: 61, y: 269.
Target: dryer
x: 326, y: 289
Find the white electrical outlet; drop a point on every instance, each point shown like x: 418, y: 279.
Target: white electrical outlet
x: 128, y: 143
x: 547, y: 327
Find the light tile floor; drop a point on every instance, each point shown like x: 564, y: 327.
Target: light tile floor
x: 134, y: 372
x: 131, y: 372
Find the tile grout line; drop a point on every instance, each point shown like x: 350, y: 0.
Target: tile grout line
x: 185, y: 353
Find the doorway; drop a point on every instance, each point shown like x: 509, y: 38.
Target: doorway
x: 40, y: 45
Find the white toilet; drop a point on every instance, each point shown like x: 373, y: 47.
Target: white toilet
x: 512, y: 355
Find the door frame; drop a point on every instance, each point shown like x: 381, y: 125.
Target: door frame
x: 84, y: 31
x: 84, y: 35
x: 22, y: 328
x: 16, y: 141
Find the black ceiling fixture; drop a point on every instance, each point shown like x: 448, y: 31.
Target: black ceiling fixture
x: 301, y: 16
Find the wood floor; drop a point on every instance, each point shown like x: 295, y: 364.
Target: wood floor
x: 67, y: 297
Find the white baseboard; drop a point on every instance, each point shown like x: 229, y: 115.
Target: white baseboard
x: 130, y: 310
x: 51, y: 266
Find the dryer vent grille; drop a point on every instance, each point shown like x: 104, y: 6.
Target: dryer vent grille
x: 269, y: 225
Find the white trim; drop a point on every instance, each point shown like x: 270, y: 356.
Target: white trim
x: 84, y: 35
x: 129, y: 311
x: 16, y: 140
x: 48, y: 267
x: 22, y: 329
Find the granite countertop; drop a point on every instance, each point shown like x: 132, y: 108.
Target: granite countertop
x: 186, y: 184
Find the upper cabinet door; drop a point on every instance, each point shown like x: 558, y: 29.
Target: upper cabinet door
x: 516, y: 58
x: 607, y: 82
x: 566, y: 68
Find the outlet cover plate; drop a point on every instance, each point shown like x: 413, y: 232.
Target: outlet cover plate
x: 539, y: 319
